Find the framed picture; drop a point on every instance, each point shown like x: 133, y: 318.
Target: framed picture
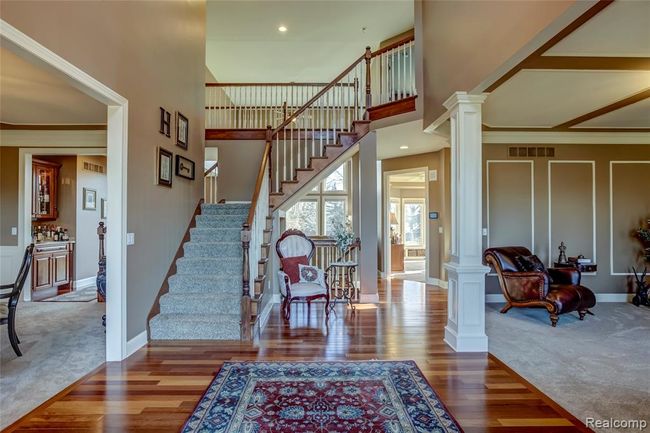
x: 182, y: 130
x: 165, y: 122
x: 165, y: 163
x: 184, y: 167
x: 103, y: 209
x: 89, y: 199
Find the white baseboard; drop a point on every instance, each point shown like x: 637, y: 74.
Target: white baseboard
x: 600, y: 297
x: 369, y: 298
x: 266, y: 314
x: 135, y: 343
x: 85, y: 282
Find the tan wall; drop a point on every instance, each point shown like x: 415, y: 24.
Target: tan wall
x: 8, y: 195
x: 66, y: 192
x: 578, y: 175
x: 87, y: 248
x: 438, y: 201
x: 239, y: 162
x: 153, y: 54
x: 465, y: 41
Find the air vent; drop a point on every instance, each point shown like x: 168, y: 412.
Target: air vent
x: 89, y: 166
x: 531, y: 152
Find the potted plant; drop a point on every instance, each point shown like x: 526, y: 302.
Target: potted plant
x: 343, y: 235
x: 642, y: 286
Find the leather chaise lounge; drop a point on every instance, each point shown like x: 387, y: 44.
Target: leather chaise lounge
x: 525, y: 282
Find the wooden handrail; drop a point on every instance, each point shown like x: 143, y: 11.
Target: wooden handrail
x: 318, y: 95
x: 268, y: 84
x: 396, y: 44
x: 209, y: 170
x: 260, y: 179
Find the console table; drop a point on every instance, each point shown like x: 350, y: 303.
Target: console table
x: 343, y: 284
x: 582, y: 267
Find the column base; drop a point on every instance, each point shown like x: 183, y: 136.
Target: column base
x: 465, y: 343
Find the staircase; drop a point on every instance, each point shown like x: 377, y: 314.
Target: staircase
x: 318, y: 125
x: 204, y: 295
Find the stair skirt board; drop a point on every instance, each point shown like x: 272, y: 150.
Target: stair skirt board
x: 204, y: 298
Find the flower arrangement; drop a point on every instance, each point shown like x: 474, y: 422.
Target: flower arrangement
x: 343, y: 235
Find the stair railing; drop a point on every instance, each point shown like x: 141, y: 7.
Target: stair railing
x: 252, y: 237
x: 210, y: 183
x: 255, y: 105
x: 303, y: 134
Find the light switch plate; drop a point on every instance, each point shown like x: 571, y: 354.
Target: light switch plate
x: 130, y: 238
x: 484, y: 232
x: 433, y: 175
x: 440, y: 230
x: 14, y: 231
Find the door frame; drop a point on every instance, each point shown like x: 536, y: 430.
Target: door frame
x: 116, y: 150
x: 386, y: 216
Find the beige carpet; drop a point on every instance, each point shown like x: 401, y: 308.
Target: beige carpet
x: 597, y: 368
x: 61, y: 342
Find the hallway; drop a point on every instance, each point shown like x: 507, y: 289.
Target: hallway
x: 157, y: 388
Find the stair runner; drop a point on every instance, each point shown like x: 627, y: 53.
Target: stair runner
x: 204, y: 298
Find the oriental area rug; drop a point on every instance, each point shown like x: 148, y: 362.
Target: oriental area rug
x: 320, y: 397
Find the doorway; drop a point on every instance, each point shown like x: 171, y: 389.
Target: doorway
x: 406, y: 246
x: 116, y: 173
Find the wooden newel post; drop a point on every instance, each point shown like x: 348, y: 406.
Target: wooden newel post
x: 246, y: 333
x: 368, y: 57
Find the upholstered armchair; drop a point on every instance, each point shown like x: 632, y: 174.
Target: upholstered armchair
x: 11, y: 292
x: 525, y: 282
x: 298, y: 280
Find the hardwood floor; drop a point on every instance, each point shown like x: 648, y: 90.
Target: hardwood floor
x: 156, y: 389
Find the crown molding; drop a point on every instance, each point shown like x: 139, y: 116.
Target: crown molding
x: 565, y: 137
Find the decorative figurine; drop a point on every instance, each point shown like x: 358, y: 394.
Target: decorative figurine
x: 562, y: 258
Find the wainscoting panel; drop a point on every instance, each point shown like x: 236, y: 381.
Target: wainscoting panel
x: 629, y: 199
x: 572, y: 208
x: 510, y: 202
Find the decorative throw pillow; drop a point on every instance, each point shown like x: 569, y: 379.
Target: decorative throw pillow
x: 311, y: 274
x: 290, y: 267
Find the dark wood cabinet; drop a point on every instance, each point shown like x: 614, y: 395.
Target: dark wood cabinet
x: 44, y: 190
x: 397, y: 257
x: 53, y: 269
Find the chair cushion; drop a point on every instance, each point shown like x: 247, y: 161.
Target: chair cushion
x: 4, y: 310
x: 311, y: 274
x: 307, y: 289
x: 295, y: 246
x: 290, y: 267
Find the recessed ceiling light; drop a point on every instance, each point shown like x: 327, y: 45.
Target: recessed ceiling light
x: 282, y: 29
x: 403, y: 147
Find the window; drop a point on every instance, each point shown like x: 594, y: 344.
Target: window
x: 326, y: 204
x: 413, y: 216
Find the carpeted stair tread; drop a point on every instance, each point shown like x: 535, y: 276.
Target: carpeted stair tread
x: 225, y: 209
x: 200, y: 303
x: 209, y: 266
x: 195, y: 327
x: 216, y: 283
x: 201, y: 234
x: 213, y: 249
x: 220, y: 221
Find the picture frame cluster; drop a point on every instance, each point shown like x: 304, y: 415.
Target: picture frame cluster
x: 165, y: 166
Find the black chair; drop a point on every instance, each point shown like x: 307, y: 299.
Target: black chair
x: 8, y: 310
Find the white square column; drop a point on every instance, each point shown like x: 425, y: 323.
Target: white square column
x: 465, y: 330
x: 368, y: 210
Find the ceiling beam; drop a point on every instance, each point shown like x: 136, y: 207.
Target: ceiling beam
x: 588, y: 63
x: 606, y: 109
x: 574, y: 25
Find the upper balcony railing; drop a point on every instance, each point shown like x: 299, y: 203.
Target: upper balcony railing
x: 258, y: 105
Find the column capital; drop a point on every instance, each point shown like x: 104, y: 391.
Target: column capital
x: 463, y: 98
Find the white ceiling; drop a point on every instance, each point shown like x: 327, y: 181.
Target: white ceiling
x: 324, y: 36
x: 31, y: 95
x: 546, y: 98
x: 622, y: 29
x: 409, y: 134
